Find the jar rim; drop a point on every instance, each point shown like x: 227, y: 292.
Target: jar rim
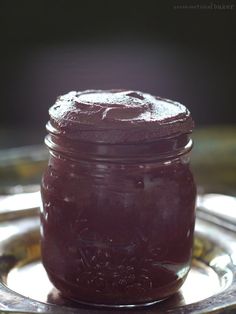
x: 161, y: 149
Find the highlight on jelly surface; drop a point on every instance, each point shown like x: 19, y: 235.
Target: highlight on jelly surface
x: 118, y: 197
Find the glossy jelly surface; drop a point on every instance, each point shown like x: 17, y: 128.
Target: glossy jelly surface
x: 117, y: 219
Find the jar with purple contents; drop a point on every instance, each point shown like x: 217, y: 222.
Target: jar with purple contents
x: 118, y: 197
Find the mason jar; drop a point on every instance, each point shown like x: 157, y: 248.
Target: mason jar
x: 118, y: 198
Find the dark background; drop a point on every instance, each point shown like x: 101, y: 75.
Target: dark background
x: 51, y: 47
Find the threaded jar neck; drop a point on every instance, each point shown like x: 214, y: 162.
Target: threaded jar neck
x: 163, y: 148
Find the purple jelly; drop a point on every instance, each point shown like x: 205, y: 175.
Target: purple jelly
x: 118, y: 197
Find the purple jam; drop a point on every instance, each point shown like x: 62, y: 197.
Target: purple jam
x: 118, y: 197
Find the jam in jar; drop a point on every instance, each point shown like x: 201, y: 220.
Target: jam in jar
x: 118, y: 197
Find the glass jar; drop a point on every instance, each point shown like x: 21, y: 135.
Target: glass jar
x: 117, y: 218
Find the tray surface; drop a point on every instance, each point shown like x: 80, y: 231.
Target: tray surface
x: 24, y: 285
x: 207, y: 282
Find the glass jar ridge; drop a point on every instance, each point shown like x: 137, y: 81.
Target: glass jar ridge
x: 162, y: 148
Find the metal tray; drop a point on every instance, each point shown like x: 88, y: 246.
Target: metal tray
x: 24, y: 286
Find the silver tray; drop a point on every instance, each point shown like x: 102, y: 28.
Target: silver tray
x: 24, y: 286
